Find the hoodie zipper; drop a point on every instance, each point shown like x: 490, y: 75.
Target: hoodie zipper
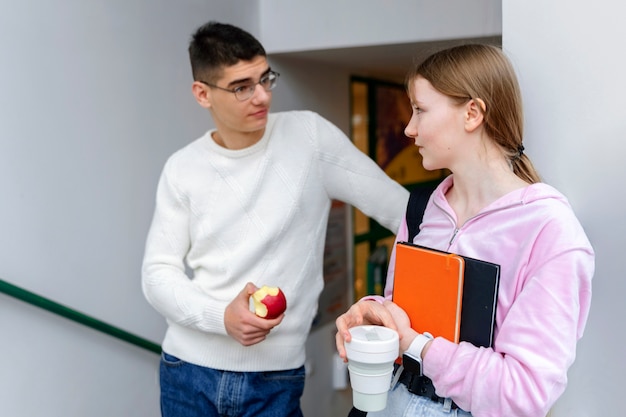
x: 481, y: 214
x: 456, y: 230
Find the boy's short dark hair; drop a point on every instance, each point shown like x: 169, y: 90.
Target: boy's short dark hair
x: 217, y: 45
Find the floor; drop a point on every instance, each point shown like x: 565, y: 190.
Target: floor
x: 341, y: 403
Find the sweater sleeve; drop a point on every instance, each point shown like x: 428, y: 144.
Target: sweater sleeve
x: 401, y: 236
x: 165, y: 283
x: 353, y: 177
x: 526, y: 371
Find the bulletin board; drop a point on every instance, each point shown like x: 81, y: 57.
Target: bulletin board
x: 333, y: 301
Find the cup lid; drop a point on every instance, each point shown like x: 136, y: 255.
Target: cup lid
x: 373, y: 339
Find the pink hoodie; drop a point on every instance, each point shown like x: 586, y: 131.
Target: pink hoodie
x: 546, y: 264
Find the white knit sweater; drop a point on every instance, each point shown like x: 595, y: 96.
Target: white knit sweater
x: 258, y: 214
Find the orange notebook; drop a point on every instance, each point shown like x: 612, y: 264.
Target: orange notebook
x: 428, y: 285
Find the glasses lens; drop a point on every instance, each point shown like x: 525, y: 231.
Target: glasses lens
x: 244, y: 92
x: 269, y: 81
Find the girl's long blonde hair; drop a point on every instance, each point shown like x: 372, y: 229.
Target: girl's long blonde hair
x: 477, y: 71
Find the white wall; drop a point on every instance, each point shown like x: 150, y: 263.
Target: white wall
x: 93, y: 97
x: 571, y: 62
x: 288, y: 25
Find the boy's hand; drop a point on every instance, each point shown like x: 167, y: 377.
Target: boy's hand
x: 242, y: 324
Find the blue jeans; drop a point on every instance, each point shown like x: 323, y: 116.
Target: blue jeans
x: 400, y: 402
x: 195, y: 391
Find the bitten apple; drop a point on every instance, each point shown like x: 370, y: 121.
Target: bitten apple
x: 269, y: 302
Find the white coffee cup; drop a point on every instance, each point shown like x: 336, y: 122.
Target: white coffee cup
x: 371, y: 354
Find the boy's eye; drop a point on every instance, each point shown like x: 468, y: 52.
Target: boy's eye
x: 265, y: 81
x: 242, y: 89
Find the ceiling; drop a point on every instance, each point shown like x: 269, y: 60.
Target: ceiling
x: 382, y: 61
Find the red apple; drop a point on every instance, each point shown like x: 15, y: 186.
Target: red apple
x: 269, y: 302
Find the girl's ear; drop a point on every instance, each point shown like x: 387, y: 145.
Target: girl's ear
x: 202, y: 94
x: 475, y: 114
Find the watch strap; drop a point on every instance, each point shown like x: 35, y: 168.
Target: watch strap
x: 417, y: 345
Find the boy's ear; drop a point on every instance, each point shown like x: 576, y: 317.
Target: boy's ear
x: 475, y: 114
x: 202, y: 94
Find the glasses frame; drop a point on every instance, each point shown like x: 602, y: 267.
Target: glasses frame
x: 244, y: 92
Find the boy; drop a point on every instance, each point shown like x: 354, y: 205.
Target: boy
x: 247, y: 204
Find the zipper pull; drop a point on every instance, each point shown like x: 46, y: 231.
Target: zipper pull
x: 456, y: 230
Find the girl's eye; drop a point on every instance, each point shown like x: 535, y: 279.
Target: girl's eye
x: 417, y: 110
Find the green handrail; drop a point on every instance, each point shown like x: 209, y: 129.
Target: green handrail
x: 61, y: 310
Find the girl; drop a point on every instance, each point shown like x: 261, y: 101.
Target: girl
x: 467, y: 117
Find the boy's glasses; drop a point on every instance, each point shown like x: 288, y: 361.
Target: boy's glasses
x: 245, y: 91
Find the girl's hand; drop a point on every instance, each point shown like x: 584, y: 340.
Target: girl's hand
x: 403, y: 323
x: 361, y: 313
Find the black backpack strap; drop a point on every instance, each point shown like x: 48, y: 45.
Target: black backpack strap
x: 418, y: 200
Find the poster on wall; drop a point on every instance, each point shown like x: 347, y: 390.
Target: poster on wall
x: 395, y: 152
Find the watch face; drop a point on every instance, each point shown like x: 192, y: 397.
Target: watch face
x: 412, y: 364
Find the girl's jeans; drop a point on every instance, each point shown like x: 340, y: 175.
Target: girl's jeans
x: 400, y: 402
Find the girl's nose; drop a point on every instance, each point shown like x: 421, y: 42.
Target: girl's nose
x: 411, y: 129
